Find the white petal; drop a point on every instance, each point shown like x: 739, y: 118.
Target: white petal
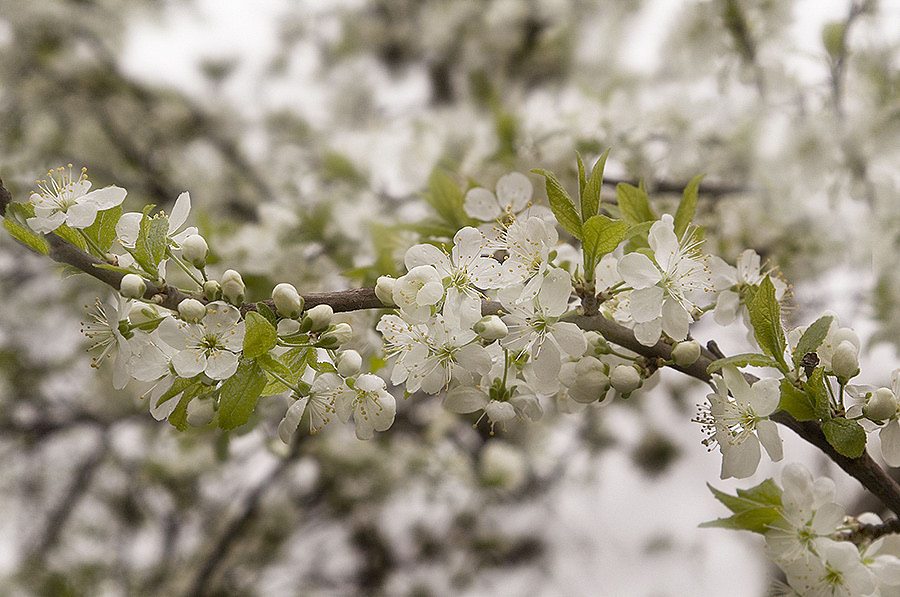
x: 547, y: 361
x: 468, y: 244
x: 189, y: 363
x: 663, y: 242
x: 105, y: 198
x: 81, y: 215
x: 382, y: 414
x: 675, y: 320
x: 221, y: 364
x: 514, y: 191
x: 646, y: 304
x: 890, y: 443
x: 128, y: 227
x: 175, y: 333
x: 570, y: 338
x: 727, y: 305
x: 425, y: 254
x: 639, y: 271
x: 555, y: 292
x: 46, y: 223
x: 481, y: 204
x: 741, y: 459
x: 765, y: 396
x: 463, y: 400
x: 180, y: 212
x: 648, y: 333
x: 771, y: 441
x: 344, y: 403
x: 430, y: 294
x: 500, y: 411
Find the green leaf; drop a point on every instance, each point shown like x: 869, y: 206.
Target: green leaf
x: 259, y: 337
x: 688, y: 205
x: 767, y: 492
x: 446, y: 198
x: 751, y: 359
x: 797, y: 403
x: 812, y: 338
x: 818, y: 393
x: 561, y: 204
x: 178, y: 386
x: 734, y: 503
x: 273, y: 385
x: 601, y: 236
x: 264, y: 310
x: 15, y: 222
x: 121, y: 270
x: 103, y: 230
x: 590, y: 197
x: 765, y: 317
x: 846, y: 436
x: 582, y: 179
x: 150, y: 247
x: 634, y: 203
x: 178, y: 417
x: 239, y: 394
x: 71, y: 236
x: 757, y: 520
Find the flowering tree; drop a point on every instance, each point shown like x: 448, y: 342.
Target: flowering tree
x: 496, y: 315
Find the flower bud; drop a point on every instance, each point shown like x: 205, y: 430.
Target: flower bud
x: 591, y: 381
x: 288, y: 301
x: 194, y: 249
x: 686, y: 354
x: 191, y: 310
x: 349, y: 363
x: 384, y: 289
x: 200, y: 412
x: 845, y: 362
x: 491, y: 328
x: 847, y: 334
x: 625, y: 379
x: 338, y: 335
x: 132, y: 286
x: 882, y: 405
x: 318, y: 318
x: 233, y: 287
x: 142, y: 313
x: 212, y: 290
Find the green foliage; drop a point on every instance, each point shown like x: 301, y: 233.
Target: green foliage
x: 590, y: 194
x: 15, y: 223
x: 103, y: 230
x: 239, y: 393
x: 447, y: 199
x: 150, y: 247
x: 562, y: 205
x: 276, y: 366
x: 812, y: 338
x: 765, y: 317
x: 753, y: 509
x: 846, y: 436
x: 260, y: 336
x: 742, y: 360
x: 688, y: 205
x: 601, y: 236
x: 71, y: 236
x: 178, y: 386
x: 815, y: 387
x: 799, y: 403
x: 264, y: 310
x: 634, y: 203
x: 178, y: 417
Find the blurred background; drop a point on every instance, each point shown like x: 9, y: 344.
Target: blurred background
x: 305, y: 132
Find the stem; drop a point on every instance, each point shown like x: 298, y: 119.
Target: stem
x: 183, y: 267
x: 284, y: 381
x: 100, y: 253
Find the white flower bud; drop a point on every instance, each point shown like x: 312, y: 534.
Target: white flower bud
x: 142, y: 313
x: 625, y: 379
x: 846, y: 334
x: 288, y: 301
x: 686, y: 354
x: 194, y: 249
x: 491, y: 328
x: 339, y: 334
x: 384, y: 289
x: 191, y: 310
x: 233, y: 287
x: 845, y: 361
x: 319, y: 317
x: 349, y: 363
x: 591, y: 381
x: 132, y: 286
x: 200, y: 412
x: 882, y: 405
x: 212, y: 290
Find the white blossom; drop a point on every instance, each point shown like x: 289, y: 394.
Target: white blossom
x: 63, y: 199
x: 129, y: 225
x: 372, y: 406
x: 105, y: 334
x: 452, y: 353
x: 747, y: 273
x: 417, y: 291
x: 210, y: 346
x: 528, y: 244
x: 666, y: 288
x: 319, y: 402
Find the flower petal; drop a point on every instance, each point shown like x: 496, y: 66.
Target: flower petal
x: 646, y: 304
x: 481, y: 204
x: 771, y: 441
x: 639, y: 271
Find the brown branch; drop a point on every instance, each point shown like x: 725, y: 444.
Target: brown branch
x: 863, y: 469
x: 871, y: 532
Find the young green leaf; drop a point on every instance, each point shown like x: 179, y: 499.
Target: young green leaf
x: 446, y: 198
x: 758, y: 520
x: 754, y: 509
x: 817, y: 391
x: 264, y: 310
x: 71, y: 236
x: 150, y: 247
x: 15, y: 223
x: 798, y: 403
x: 239, y: 394
x: 103, y: 230
x: 601, y: 236
x: 812, y: 338
x: 582, y: 178
x: 260, y: 336
x: 688, y: 205
x: 742, y: 360
x: 765, y: 317
x: 178, y: 386
x: 178, y: 417
x: 634, y: 203
x: 846, y: 436
x: 561, y: 204
x: 590, y: 198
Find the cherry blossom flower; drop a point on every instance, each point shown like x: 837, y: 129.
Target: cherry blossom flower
x: 739, y: 424
x: 534, y: 326
x: 372, y: 406
x: 64, y: 200
x: 528, y: 244
x: 465, y: 270
x: 511, y: 201
x: 405, y: 341
x: 129, y: 224
x: 452, y: 353
x: 210, y: 346
x: 106, y: 334
x: 416, y: 292
x: 319, y: 403
x: 665, y: 288
x: 747, y: 273
x: 839, y: 573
